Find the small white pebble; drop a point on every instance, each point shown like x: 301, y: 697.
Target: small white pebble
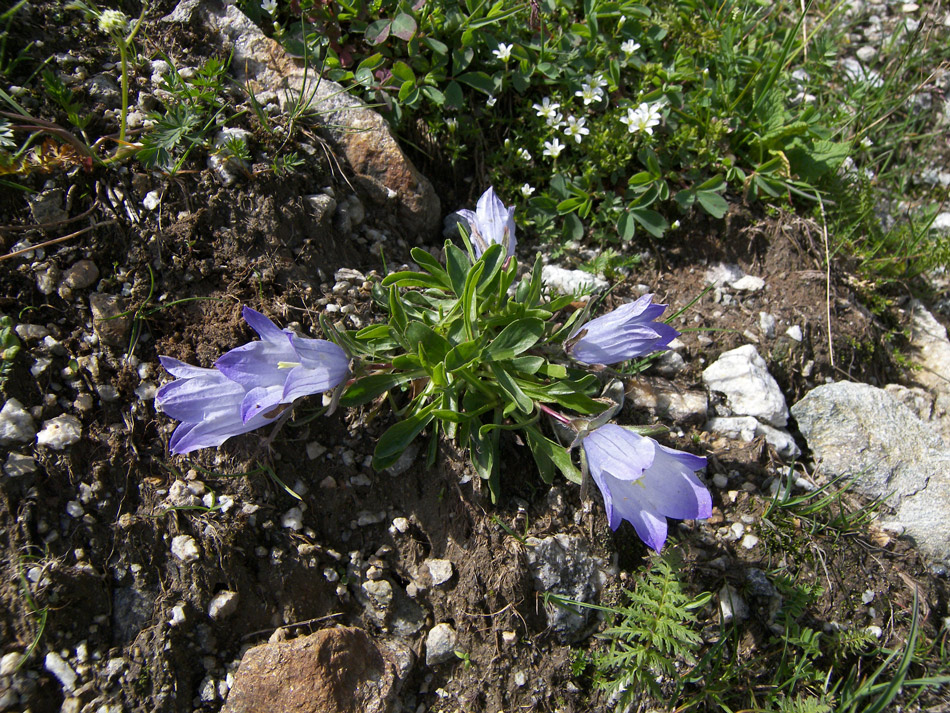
x: 292, y: 519
x: 868, y: 596
x: 875, y: 631
x: 520, y: 679
x: 59, y: 432
x: 177, y: 615
x: 401, y: 524
x: 736, y: 530
x: 795, y: 332
x: 74, y: 509
x: 750, y: 541
x: 185, y: 548
x: 331, y: 575
x: 720, y: 480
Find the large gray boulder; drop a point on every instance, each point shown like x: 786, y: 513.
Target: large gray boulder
x: 862, y: 431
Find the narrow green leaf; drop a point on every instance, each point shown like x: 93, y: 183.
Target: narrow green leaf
x: 409, y: 278
x: 545, y: 450
x: 397, y: 312
x: 398, y: 437
x: 517, y: 337
x: 511, y: 388
x: 461, y: 355
x: 470, y: 300
x: 369, y: 387
x: 458, y: 266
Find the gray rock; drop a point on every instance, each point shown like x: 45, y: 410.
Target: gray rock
x: 16, y: 424
x: 31, y: 332
x: 930, y: 351
x: 742, y: 375
x: 747, y: 428
x: 767, y: 324
x: 862, y: 431
x: 82, y: 274
x: 439, y: 570
x: 61, y: 670
x: 440, y: 644
x: 941, y: 223
x: 563, y: 565
x: 571, y: 282
x: 131, y: 610
x: 732, y: 605
x: 665, y: 400
x: 18, y: 465
x: 102, y: 88
x: 669, y: 363
x: 60, y: 432
x: 109, y: 319
x: 223, y: 604
x: 323, y: 207
x: 48, y: 207
x: 867, y: 54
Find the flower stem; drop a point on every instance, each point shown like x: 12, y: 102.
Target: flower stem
x: 555, y: 415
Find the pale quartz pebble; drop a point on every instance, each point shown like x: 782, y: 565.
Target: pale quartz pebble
x: 875, y: 631
x: 440, y: 570
x: 61, y: 670
x: 401, y: 524
x: 60, y: 432
x: 185, y: 548
x: 223, y: 604
x: 74, y: 509
x: 10, y: 662
x: 177, y: 616
x: 868, y: 596
x: 795, y: 332
x: 749, y: 541
x: 292, y: 519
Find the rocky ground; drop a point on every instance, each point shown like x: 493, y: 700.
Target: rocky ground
x: 137, y: 580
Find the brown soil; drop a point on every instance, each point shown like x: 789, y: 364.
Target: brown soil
x: 107, y: 579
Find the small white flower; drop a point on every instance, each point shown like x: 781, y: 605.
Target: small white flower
x: 575, y: 128
x: 597, y: 81
x: 523, y: 154
x: 503, y: 52
x: 526, y: 190
x: 556, y: 121
x: 547, y: 109
x: 675, y: 225
x: 452, y: 123
x: 643, y: 118
x: 553, y: 148
x: 490, y: 102
x: 629, y: 47
x: 113, y: 21
x: 866, y: 143
x: 589, y: 94
x: 269, y: 6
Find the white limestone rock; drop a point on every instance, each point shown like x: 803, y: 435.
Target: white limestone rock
x: 750, y: 390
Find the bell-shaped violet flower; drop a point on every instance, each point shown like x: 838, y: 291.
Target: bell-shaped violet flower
x: 281, y: 367
x: 207, y: 403
x: 645, y: 483
x: 491, y: 223
x: 625, y: 333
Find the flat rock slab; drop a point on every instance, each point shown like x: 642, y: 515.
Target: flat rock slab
x: 361, y: 135
x: 862, y: 431
x: 333, y: 671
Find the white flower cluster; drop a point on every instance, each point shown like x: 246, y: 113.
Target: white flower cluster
x: 643, y: 118
x: 113, y: 21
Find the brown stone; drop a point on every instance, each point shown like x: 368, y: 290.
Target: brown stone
x: 338, y: 670
x: 362, y: 136
x: 109, y: 319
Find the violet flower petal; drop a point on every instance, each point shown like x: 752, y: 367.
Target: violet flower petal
x: 625, y: 333
x: 644, y: 483
x: 322, y: 366
x: 491, y: 223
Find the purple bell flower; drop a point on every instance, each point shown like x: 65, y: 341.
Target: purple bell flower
x: 645, y: 483
x: 491, y: 223
x: 207, y: 403
x: 625, y: 333
x: 281, y: 367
